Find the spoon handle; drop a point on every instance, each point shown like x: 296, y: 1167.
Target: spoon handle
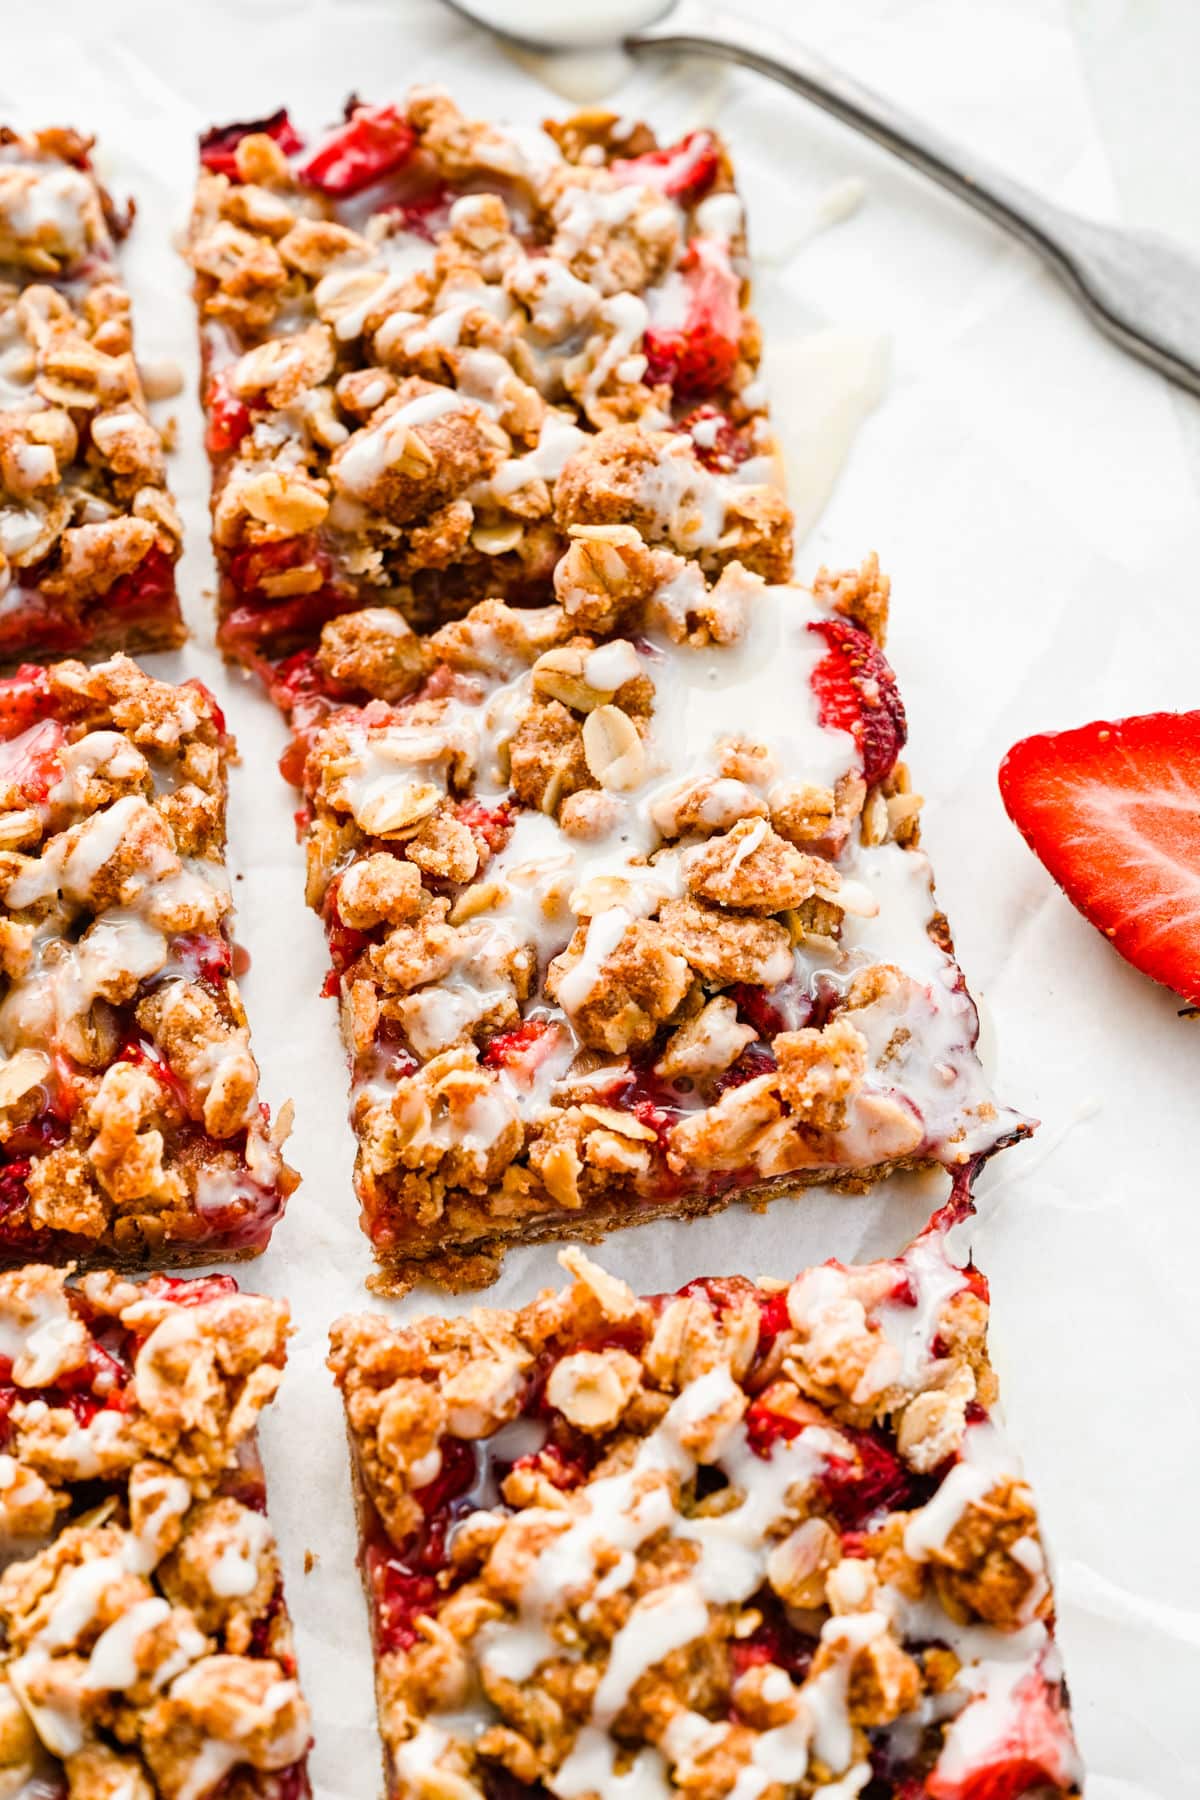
x: 1140, y: 290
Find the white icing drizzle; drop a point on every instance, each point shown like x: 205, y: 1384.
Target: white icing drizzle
x: 235, y: 1572
x: 986, y: 1460
x: 112, y: 1663
x: 920, y: 1048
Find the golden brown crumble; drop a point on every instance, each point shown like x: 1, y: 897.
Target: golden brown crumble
x: 681, y: 923
x: 154, y: 1617
x: 119, y: 1017
x: 705, y: 1531
x: 82, y: 474
x: 518, y: 309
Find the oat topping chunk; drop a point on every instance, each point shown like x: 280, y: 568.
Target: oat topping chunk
x: 130, y: 1123
x: 748, y: 1540
x: 146, y: 1650
x: 431, y: 346
x: 626, y: 911
x: 89, y: 535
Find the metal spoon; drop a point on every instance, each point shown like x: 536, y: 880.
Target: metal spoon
x: 1140, y: 290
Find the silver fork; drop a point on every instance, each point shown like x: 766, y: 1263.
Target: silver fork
x: 1140, y: 290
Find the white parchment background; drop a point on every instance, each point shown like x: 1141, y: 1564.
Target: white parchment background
x: 1034, y: 497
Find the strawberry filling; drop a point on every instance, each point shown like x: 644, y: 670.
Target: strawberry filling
x: 754, y: 1061
x: 718, y: 443
x: 146, y: 592
x: 196, y: 1290
x: 682, y: 171
x: 776, y: 1641
x: 856, y: 692
x: 266, y: 606
x: 30, y: 765
x: 228, y: 417
x: 346, y: 944
x: 699, y: 355
x: 1032, y: 1748
x: 24, y: 698
x: 402, y: 1579
x: 204, y: 956
x: 426, y: 216
x: 219, y: 144
x: 374, y: 141
x: 525, y: 1048
x: 490, y: 826
x: 877, y: 1481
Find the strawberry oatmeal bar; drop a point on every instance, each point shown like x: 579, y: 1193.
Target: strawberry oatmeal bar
x: 625, y: 905
x: 430, y: 346
x: 748, y: 1540
x: 146, y: 1647
x: 89, y: 535
x: 130, y: 1123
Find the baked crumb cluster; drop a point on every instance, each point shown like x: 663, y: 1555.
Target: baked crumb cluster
x: 625, y: 905
x: 431, y: 346
x: 89, y: 535
x: 130, y: 1122
x: 746, y: 1540
x: 146, y: 1647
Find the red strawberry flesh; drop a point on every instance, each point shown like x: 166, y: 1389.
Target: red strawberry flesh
x: 373, y: 142
x: 683, y: 170
x: 1113, y: 811
x: 856, y: 692
x: 698, y: 356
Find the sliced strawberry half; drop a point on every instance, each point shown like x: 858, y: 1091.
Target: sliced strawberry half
x: 699, y: 355
x: 682, y: 171
x: 1113, y: 810
x: 856, y: 692
x: 373, y: 142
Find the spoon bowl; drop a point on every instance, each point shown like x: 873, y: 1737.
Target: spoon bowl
x: 549, y: 26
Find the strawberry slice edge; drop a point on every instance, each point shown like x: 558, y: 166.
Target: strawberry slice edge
x: 1112, y: 810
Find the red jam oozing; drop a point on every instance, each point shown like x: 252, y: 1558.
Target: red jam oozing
x: 876, y: 1482
x: 144, y: 591
x: 489, y: 825
x: 403, y: 1579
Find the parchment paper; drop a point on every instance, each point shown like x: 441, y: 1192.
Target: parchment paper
x: 1030, y: 493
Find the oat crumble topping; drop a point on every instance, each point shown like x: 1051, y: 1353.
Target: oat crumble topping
x: 431, y: 347
x: 626, y: 908
x: 146, y: 1650
x: 749, y: 1540
x: 89, y: 534
x: 130, y: 1121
